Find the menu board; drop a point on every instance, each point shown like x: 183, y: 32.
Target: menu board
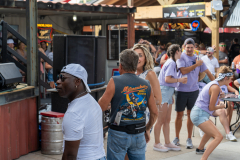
x: 188, y: 10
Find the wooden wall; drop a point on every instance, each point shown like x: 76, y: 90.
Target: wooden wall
x: 18, y: 129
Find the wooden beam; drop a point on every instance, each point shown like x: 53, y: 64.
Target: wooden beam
x: 121, y: 2
x: 171, y: 2
x: 215, y: 33
x: 207, y: 8
x: 166, y: 2
x: 141, y: 2
x: 207, y: 21
x: 131, y: 30
x: 162, y: 2
x: 150, y: 12
x: 130, y: 2
x: 149, y: 3
x: 111, y: 2
x: 104, y: 1
x: 161, y: 20
x: 150, y: 25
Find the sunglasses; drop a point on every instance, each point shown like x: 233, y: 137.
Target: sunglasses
x: 61, y: 77
x: 208, y: 52
x: 223, y: 45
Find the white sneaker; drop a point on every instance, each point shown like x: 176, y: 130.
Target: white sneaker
x: 160, y: 147
x: 172, y: 147
x: 231, y: 137
x: 201, y: 132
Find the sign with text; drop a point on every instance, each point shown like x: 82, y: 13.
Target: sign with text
x: 187, y: 10
x: 45, y: 32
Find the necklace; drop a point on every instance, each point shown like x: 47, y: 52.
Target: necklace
x: 80, y: 94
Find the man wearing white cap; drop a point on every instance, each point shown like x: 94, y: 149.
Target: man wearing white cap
x: 210, y: 61
x: 82, y: 122
x: 10, y: 43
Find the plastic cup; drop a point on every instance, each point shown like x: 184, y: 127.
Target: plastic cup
x: 183, y: 76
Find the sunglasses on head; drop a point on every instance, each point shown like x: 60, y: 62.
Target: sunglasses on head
x: 224, y: 45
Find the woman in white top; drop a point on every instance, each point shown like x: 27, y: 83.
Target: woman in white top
x: 145, y: 70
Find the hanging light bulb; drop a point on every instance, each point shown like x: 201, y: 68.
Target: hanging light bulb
x: 74, y: 18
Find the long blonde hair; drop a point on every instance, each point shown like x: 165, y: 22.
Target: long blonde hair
x: 149, y: 59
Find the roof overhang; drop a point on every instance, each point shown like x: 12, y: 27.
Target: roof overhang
x: 233, y: 19
x: 86, y: 11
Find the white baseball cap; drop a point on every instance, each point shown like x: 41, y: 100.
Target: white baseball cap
x: 210, y: 49
x: 9, y: 41
x: 78, y: 71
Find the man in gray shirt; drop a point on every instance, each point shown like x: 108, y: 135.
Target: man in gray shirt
x: 223, y: 56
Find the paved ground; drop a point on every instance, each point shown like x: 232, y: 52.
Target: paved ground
x: 225, y: 151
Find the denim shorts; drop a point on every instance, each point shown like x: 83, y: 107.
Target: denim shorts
x: 198, y: 116
x: 167, y: 93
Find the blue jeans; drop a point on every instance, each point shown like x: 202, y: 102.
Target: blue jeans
x: 120, y: 143
x: 50, y: 77
x: 103, y: 158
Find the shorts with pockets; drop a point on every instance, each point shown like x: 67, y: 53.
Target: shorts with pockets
x: 198, y: 116
x: 185, y: 99
x: 167, y: 93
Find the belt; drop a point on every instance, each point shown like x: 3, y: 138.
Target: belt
x: 130, y: 129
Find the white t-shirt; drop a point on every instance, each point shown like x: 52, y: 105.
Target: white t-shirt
x: 211, y: 64
x: 83, y: 121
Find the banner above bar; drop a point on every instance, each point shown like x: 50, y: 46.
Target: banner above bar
x: 187, y: 10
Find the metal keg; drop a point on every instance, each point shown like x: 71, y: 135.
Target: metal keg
x: 52, y: 136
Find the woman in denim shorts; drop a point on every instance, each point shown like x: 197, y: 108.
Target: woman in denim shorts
x: 208, y: 104
x: 168, y: 81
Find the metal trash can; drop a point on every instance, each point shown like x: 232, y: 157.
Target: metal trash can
x: 52, y: 136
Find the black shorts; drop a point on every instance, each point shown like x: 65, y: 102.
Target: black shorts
x: 185, y: 99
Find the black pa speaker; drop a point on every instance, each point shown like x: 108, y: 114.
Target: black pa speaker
x: 9, y: 74
x: 88, y: 51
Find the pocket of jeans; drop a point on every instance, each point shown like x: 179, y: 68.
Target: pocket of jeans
x: 140, y: 141
x: 117, y: 142
x: 194, y: 116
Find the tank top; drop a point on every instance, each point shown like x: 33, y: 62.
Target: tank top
x: 203, y: 99
x: 130, y: 99
x: 144, y: 74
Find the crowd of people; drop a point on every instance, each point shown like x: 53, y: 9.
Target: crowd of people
x: 138, y: 99
x: 20, y: 48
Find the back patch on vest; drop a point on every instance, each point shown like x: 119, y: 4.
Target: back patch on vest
x: 134, y: 106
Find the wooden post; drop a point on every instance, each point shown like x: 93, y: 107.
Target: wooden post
x: 131, y: 29
x: 215, y: 33
x: 130, y: 2
x: 32, y: 50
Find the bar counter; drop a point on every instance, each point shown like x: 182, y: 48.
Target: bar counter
x: 18, y: 123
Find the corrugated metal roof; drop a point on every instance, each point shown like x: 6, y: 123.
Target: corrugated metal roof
x: 233, y: 19
x: 77, y: 7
